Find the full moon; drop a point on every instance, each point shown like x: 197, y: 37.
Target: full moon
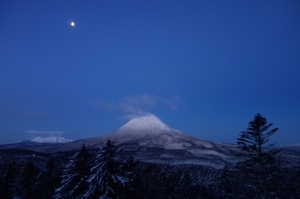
x: 72, y: 24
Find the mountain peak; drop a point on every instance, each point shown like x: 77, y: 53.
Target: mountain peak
x: 143, y: 131
x: 149, y: 122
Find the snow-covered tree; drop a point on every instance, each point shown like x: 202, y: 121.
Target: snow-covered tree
x: 259, y: 165
x: 26, y: 184
x: 48, y: 179
x: 75, y: 175
x: 227, y: 184
x: 104, y: 181
x: 8, y: 175
x: 184, y: 186
x: 128, y: 178
x: 293, y: 183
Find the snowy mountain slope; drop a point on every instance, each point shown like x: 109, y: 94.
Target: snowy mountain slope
x: 151, y: 131
x: 149, y: 139
x: 147, y: 130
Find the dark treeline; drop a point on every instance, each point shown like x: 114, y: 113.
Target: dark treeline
x: 101, y: 175
x: 106, y: 174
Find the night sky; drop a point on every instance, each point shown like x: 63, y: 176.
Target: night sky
x: 203, y: 67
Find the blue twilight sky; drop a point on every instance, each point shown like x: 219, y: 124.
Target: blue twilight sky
x: 203, y: 67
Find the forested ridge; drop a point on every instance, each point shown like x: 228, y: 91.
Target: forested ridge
x: 103, y: 173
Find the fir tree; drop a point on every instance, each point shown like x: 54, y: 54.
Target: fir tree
x: 26, y: 185
x: 104, y: 180
x: 48, y: 179
x: 228, y: 183
x: 128, y: 176
x: 259, y: 165
x: 293, y: 183
x: 150, y: 181
x: 75, y: 175
x: 7, y: 180
x: 185, y: 188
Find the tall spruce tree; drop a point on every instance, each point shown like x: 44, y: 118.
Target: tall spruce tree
x: 128, y: 176
x: 26, y: 183
x: 259, y: 164
x: 226, y: 186
x: 8, y: 175
x: 75, y: 175
x: 104, y: 180
x: 48, y: 179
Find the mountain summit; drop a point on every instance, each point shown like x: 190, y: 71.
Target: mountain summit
x: 152, y: 140
x: 149, y: 123
x: 149, y: 139
x: 150, y: 131
x: 142, y: 131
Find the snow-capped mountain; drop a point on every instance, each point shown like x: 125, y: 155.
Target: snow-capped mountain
x: 151, y: 131
x: 149, y: 123
x: 52, y: 139
x: 144, y: 131
x: 149, y: 139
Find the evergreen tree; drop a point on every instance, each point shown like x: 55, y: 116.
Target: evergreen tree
x: 75, y: 175
x: 292, y: 180
x: 149, y: 181
x: 259, y: 166
x: 26, y: 185
x: 7, y: 180
x: 104, y: 180
x: 228, y: 183
x: 48, y: 179
x: 128, y: 175
x: 165, y: 181
x: 185, y: 187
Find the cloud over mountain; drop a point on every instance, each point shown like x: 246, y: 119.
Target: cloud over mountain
x: 52, y: 133
x: 138, y: 105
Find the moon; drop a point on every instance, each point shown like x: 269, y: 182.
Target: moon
x: 72, y: 23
